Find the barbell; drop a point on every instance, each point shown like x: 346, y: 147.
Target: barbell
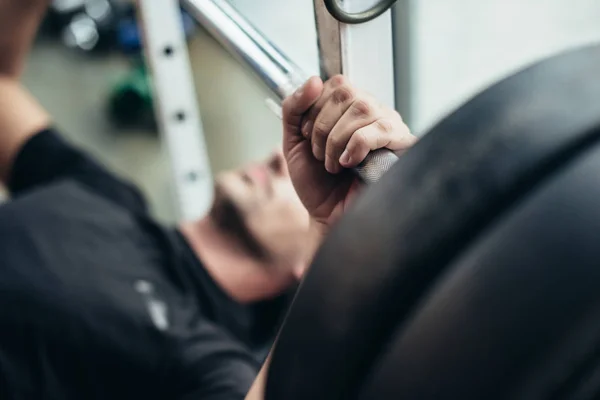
x: 471, y: 270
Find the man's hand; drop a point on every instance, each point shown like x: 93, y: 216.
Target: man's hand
x: 328, y: 128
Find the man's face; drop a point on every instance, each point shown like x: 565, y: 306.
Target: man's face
x: 263, y: 206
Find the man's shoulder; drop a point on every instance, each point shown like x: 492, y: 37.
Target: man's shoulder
x: 46, y: 211
x: 80, y: 239
x: 60, y: 194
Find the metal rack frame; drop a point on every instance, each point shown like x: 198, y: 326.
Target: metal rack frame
x: 176, y: 106
x: 369, y: 67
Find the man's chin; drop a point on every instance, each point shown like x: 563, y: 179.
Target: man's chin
x: 224, y: 210
x: 229, y: 218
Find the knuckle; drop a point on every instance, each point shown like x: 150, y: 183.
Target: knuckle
x: 342, y: 94
x: 320, y: 129
x: 335, y: 143
x: 384, y: 125
x: 360, y: 138
x: 337, y: 80
x: 361, y: 108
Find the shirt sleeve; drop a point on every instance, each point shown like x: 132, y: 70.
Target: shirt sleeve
x: 47, y: 158
x: 210, y: 365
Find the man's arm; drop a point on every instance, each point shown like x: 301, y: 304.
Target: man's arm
x: 317, y: 233
x: 20, y: 114
x: 28, y: 160
x: 328, y: 127
x: 21, y: 117
x: 257, y: 391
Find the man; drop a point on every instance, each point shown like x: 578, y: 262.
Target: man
x: 99, y: 301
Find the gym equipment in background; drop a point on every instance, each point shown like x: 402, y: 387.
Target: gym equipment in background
x: 60, y: 14
x: 176, y: 107
x: 471, y: 270
x: 87, y: 25
x: 129, y: 38
x: 336, y: 9
x: 130, y: 102
x: 100, y: 25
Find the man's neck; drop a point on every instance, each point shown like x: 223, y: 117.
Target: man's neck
x: 240, y: 274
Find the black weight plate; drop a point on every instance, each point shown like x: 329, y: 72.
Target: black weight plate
x: 403, y: 231
x: 516, y: 316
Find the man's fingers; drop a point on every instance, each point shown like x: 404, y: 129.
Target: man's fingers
x: 295, y: 106
x: 340, y: 100
x: 361, y: 113
x: 360, y: 144
x: 328, y: 87
x: 314, y: 112
x: 340, y: 124
x: 383, y: 133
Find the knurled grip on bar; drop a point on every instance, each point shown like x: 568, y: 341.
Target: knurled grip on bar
x: 376, y: 164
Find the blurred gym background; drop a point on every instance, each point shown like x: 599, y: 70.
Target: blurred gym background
x: 91, y: 76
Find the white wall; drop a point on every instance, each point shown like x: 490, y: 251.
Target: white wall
x: 458, y: 47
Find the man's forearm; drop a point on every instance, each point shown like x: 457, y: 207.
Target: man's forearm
x: 20, y: 114
x: 257, y: 391
x: 21, y: 117
x: 316, y: 235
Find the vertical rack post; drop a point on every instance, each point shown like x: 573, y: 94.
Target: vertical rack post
x: 368, y: 53
x: 176, y: 105
x: 364, y: 53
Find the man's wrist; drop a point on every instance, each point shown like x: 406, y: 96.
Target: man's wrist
x: 317, y: 232
x: 318, y: 228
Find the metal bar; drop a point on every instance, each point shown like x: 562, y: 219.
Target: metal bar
x: 329, y: 41
x: 403, y: 72
x: 368, y: 53
x: 242, y: 40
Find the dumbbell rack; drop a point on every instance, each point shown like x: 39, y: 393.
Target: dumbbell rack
x: 176, y: 106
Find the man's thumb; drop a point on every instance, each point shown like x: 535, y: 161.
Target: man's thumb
x: 295, y: 106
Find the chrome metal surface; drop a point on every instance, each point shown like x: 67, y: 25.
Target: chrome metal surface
x: 329, y: 40
x: 241, y: 39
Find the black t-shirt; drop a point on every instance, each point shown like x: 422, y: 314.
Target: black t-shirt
x: 97, y: 301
